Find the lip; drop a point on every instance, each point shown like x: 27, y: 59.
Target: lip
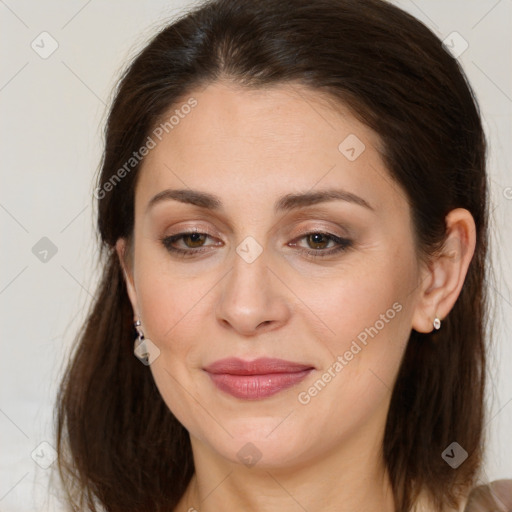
x: 257, y: 379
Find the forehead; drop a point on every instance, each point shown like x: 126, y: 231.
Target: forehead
x: 280, y: 117
x: 257, y: 144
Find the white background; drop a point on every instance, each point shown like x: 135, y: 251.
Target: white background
x: 52, y: 116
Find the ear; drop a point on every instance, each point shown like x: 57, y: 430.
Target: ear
x: 126, y: 261
x: 443, y: 279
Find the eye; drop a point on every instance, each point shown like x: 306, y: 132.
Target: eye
x: 193, y: 240
x: 319, y: 241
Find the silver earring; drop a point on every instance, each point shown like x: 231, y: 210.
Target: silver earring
x: 437, y: 323
x: 140, y: 334
x: 143, y: 348
x: 140, y: 348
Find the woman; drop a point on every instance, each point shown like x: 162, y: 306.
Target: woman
x: 293, y: 214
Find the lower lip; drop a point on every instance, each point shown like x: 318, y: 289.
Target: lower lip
x: 254, y: 387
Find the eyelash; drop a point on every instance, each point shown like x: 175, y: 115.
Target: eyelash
x: 343, y: 245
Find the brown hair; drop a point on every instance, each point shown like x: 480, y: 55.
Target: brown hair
x: 119, y: 445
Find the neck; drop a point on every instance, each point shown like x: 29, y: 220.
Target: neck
x: 346, y: 479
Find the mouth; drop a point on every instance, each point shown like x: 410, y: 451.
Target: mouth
x: 257, y: 379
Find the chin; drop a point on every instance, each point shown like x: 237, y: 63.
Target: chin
x: 264, y: 447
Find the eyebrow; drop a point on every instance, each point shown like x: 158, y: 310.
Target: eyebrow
x: 285, y: 203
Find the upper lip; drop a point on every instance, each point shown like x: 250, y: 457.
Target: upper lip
x: 261, y: 366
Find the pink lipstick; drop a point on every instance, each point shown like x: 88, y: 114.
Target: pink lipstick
x: 260, y: 378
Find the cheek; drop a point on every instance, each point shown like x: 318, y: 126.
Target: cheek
x: 365, y: 320
x: 165, y: 301
x: 364, y: 353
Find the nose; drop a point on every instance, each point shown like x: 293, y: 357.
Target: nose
x: 253, y: 299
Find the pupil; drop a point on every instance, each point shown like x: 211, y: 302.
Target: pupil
x: 317, y: 238
x: 194, y: 238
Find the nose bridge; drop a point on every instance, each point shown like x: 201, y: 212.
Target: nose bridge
x: 247, y: 282
x: 251, y: 296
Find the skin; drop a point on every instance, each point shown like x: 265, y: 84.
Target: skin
x: 250, y: 148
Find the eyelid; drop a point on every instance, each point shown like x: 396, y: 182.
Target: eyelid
x: 332, y: 236
x: 341, y: 244
x: 186, y: 230
x: 179, y: 235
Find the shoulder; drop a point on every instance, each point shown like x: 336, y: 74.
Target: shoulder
x: 495, y: 496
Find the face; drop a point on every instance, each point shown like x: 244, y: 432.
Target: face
x: 288, y: 241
